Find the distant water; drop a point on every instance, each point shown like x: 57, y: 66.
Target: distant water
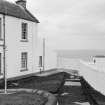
x: 79, y: 53
x: 69, y: 59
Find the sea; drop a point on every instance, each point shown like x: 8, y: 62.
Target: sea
x: 70, y: 59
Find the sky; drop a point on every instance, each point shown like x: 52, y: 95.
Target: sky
x: 70, y: 24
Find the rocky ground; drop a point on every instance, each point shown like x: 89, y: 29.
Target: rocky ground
x: 22, y: 98
x: 72, y: 94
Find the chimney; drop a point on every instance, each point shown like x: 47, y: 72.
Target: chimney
x: 21, y: 3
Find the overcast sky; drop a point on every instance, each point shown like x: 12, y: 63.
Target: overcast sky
x: 70, y: 24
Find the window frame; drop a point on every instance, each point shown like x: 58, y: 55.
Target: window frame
x: 40, y: 61
x: 24, y: 60
x: 1, y: 38
x: 24, y: 31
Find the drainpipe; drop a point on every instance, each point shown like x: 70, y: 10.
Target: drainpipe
x: 43, y: 54
x: 4, y: 52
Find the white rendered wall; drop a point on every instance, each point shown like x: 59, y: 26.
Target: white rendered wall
x: 68, y: 63
x: 50, y: 55
x: 2, y: 64
x: 1, y: 47
x: 15, y: 47
x: 93, y: 76
x: 99, y: 65
x: 50, y: 59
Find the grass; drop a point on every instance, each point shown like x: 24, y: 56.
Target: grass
x: 51, y: 83
x: 22, y: 98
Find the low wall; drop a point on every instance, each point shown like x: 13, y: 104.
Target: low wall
x: 95, y: 78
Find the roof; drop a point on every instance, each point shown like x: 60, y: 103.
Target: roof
x: 99, y: 56
x: 12, y: 9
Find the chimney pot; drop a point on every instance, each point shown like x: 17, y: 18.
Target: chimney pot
x: 21, y: 3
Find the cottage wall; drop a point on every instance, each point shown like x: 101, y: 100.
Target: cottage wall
x: 15, y: 46
x: 50, y: 61
x: 1, y: 46
x: 68, y: 63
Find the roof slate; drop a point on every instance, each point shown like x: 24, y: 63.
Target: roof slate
x: 17, y: 11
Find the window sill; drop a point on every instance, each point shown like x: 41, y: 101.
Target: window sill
x: 22, y: 70
x: 24, y: 40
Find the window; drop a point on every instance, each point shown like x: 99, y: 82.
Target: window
x: 40, y: 61
x: 0, y: 29
x: 24, y: 31
x: 24, y: 57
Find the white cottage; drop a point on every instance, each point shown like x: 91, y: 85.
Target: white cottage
x: 18, y: 39
x: 99, y: 59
